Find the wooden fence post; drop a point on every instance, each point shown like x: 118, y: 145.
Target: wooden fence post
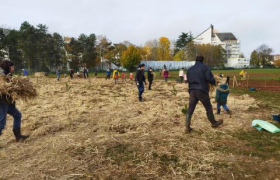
x: 234, y: 81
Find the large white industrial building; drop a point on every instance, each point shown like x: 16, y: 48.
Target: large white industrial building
x: 228, y: 41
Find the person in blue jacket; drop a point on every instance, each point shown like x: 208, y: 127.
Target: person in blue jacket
x: 199, y: 76
x: 24, y: 72
x: 108, y: 72
x: 222, y: 93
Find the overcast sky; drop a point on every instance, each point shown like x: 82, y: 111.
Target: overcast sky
x: 253, y: 22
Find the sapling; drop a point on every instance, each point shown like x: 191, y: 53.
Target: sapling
x: 174, y: 91
x: 68, y: 87
x: 185, y: 109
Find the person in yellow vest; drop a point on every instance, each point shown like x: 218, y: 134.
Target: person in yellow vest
x: 241, y: 74
x: 116, y: 75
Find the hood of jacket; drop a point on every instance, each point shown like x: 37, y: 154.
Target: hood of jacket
x: 223, y: 88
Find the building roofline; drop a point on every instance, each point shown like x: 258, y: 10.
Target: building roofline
x: 202, y: 32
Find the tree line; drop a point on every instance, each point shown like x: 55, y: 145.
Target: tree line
x: 34, y: 48
x: 262, y: 56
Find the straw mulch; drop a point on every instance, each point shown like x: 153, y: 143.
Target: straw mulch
x: 17, y: 88
x: 99, y: 130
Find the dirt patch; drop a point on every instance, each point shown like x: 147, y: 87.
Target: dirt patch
x: 268, y: 85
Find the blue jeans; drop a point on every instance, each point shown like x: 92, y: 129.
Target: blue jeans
x: 6, y: 108
x: 140, y: 89
x: 223, y: 105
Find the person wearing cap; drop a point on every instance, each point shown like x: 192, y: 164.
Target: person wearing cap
x: 140, y: 80
x: 7, y: 104
x: 199, y: 76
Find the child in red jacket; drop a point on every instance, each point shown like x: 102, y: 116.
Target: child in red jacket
x: 123, y: 76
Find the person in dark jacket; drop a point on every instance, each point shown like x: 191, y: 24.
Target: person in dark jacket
x: 140, y: 80
x: 85, y: 73
x: 71, y: 73
x: 7, y: 105
x: 199, y: 76
x: 95, y: 73
x: 58, y: 73
x: 222, y: 93
x: 150, y: 78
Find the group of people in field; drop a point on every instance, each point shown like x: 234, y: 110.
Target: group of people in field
x: 198, y: 77
x: 71, y: 73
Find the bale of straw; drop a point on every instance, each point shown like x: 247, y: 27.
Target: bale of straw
x: 40, y: 74
x: 212, y: 87
x: 16, y: 88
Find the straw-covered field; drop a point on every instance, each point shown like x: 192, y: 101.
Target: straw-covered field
x: 93, y: 129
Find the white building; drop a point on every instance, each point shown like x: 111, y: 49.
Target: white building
x: 228, y: 41
x: 238, y: 63
x: 276, y: 57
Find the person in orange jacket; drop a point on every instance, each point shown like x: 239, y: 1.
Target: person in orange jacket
x: 123, y: 76
x: 116, y: 75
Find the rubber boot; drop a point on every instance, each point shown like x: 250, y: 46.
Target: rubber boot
x: 214, y: 123
x: 219, y: 111
x: 229, y: 112
x: 19, y: 136
x: 188, y: 123
x: 140, y: 99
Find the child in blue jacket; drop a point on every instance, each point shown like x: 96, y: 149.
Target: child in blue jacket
x: 222, y: 93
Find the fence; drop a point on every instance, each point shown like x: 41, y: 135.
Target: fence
x: 265, y: 84
x: 170, y: 65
